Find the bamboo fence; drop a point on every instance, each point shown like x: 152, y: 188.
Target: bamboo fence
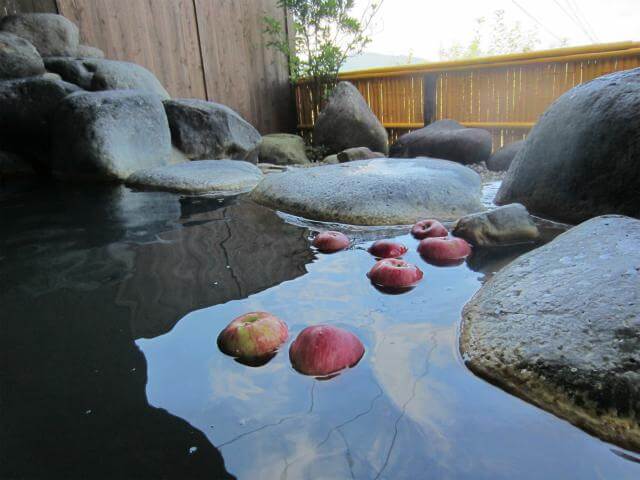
x: 504, y: 94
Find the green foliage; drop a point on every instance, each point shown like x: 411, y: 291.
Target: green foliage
x: 495, y: 37
x: 322, y: 34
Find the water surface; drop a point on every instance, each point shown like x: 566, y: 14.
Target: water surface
x: 112, y: 301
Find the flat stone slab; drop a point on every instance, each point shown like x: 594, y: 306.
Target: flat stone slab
x: 199, y: 176
x: 385, y: 191
x: 560, y: 327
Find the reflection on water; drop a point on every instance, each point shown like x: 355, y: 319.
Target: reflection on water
x: 408, y: 409
x: 112, y: 302
x: 85, y: 271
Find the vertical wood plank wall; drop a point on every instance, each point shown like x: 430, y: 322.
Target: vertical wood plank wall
x: 208, y: 49
x: 160, y: 35
x: 239, y: 66
x: 505, y: 95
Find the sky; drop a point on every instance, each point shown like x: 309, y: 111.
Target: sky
x: 423, y: 27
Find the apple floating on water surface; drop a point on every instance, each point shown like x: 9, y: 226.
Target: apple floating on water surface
x: 446, y: 251
x: 330, y: 241
x: 387, y: 249
x: 253, y: 337
x: 428, y: 229
x: 322, y: 350
x: 394, y: 273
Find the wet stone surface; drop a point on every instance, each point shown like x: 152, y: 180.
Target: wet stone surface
x: 560, y: 327
x: 199, y: 176
x: 386, y: 191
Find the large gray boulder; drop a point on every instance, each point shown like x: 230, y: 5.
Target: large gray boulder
x: 508, y: 225
x: 207, y: 130
x: 501, y: 159
x: 283, y: 149
x: 560, y: 327
x: 581, y: 158
x: 26, y: 108
x: 445, y: 139
x: 18, y: 58
x: 200, y: 176
x: 347, y: 121
x: 109, y: 135
x: 98, y: 74
x: 51, y: 34
x: 385, y: 191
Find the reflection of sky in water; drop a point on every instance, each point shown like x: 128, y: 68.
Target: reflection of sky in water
x: 409, y: 409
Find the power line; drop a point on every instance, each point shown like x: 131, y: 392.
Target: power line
x: 574, y: 18
x: 537, y: 21
x: 580, y: 13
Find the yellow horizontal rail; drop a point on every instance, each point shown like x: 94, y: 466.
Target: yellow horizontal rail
x: 495, y: 62
x: 600, y: 50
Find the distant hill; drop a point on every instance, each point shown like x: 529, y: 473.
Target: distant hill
x: 374, y: 60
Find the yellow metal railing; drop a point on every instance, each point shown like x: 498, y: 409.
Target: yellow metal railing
x: 504, y: 94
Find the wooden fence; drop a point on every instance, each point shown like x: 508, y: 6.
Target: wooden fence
x: 504, y: 94
x: 208, y: 49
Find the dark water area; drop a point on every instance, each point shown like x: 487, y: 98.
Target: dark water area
x: 112, y: 301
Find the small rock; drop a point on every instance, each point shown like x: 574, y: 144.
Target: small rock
x: 283, y: 149
x: 109, y: 135
x: 508, y: 225
x: 207, y: 130
x: 52, y: 35
x: 501, y: 159
x: 96, y: 74
x: 200, y: 176
x: 18, y: 58
x: 347, y: 121
x: 357, y: 153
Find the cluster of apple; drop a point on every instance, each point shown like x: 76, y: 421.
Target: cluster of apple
x: 320, y: 350
x: 324, y: 350
x: 390, y: 271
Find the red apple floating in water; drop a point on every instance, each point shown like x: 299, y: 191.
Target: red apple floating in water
x: 387, y: 249
x: 253, y: 336
x: 444, y: 251
x: 329, y: 242
x: 394, y: 273
x: 321, y: 350
x: 428, y: 229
